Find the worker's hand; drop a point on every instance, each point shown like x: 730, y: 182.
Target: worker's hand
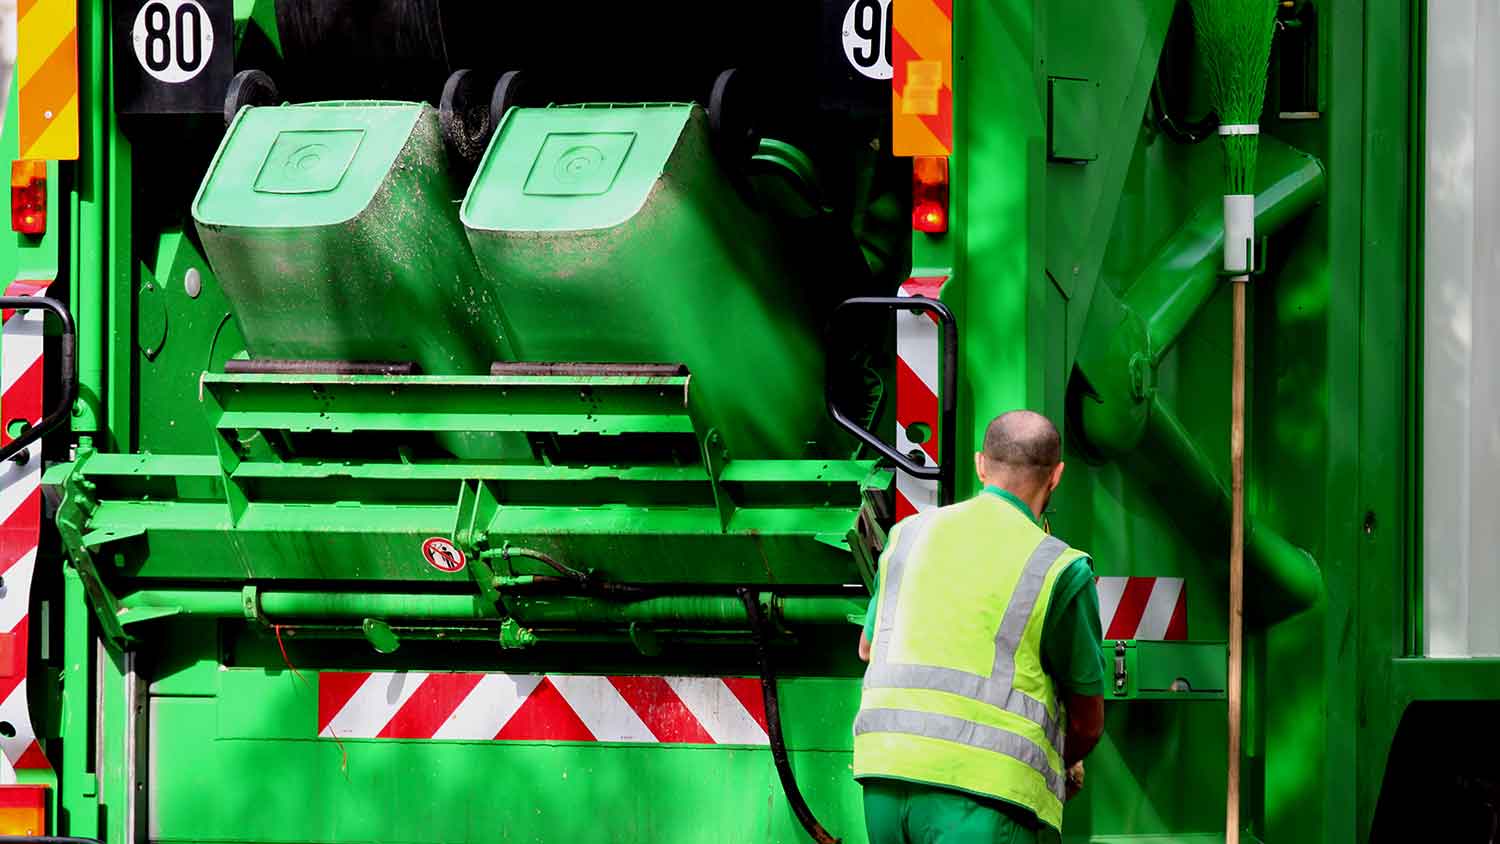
x: 1075, y: 779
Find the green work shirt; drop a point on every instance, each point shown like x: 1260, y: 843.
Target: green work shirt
x: 1071, y: 631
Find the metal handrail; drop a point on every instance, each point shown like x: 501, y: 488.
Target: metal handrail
x: 68, y: 359
x: 944, y: 472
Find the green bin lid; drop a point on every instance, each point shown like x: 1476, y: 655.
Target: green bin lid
x: 572, y: 168
x: 303, y: 165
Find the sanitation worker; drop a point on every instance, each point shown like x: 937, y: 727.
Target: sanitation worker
x: 985, y: 687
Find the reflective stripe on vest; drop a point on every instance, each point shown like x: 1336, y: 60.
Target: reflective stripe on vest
x: 998, y: 689
x: 960, y: 731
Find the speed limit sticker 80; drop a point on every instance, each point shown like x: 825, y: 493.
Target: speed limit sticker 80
x: 173, y: 39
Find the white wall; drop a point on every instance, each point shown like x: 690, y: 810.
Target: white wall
x: 1461, y: 370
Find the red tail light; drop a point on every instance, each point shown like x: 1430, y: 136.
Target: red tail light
x: 929, y: 194
x: 28, y: 196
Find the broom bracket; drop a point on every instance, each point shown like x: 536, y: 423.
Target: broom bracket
x: 1257, y: 250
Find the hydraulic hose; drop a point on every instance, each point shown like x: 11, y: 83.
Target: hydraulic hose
x: 773, y: 724
x: 1186, y: 132
x: 507, y: 551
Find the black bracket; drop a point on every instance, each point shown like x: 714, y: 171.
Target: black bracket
x: 69, y: 366
x: 943, y: 473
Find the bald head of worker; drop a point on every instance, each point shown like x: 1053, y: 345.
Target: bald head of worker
x: 1022, y: 454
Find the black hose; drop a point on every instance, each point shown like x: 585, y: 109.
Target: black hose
x: 773, y: 724
x: 508, y: 551
x: 1183, y: 133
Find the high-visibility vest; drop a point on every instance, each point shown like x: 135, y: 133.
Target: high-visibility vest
x: 955, y: 694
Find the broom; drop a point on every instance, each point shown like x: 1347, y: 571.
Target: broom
x: 1235, y: 37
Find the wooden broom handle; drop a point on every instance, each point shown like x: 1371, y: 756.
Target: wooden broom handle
x: 1236, y: 559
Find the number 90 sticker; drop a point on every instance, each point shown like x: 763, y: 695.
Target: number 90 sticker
x: 173, y: 39
x: 867, y: 37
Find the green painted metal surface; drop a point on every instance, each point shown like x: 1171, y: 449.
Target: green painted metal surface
x: 273, y: 506
x: 206, y: 514
x: 245, y: 719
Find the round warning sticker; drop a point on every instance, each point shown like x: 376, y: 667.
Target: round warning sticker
x: 443, y: 555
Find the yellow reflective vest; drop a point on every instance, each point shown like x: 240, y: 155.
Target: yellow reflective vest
x: 955, y: 694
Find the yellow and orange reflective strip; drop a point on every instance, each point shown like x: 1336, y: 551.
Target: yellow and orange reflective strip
x: 47, y: 76
x: 922, y: 78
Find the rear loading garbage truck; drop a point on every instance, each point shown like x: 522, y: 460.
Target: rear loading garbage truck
x: 432, y: 421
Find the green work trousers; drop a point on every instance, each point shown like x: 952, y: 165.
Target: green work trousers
x: 899, y: 812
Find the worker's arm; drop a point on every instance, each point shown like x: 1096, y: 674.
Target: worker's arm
x: 867, y: 635
x: 1085, y: 726
x: 1070, y: 648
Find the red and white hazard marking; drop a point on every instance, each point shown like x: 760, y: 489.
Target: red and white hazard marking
x: 917, y: 355
x: 1153, y: 608
x: 443, y: 555
x: 20, y: 523
x: 541, y: 707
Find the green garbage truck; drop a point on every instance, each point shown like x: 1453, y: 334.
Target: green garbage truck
x: 435, y: 421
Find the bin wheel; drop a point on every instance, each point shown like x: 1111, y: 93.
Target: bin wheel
x: 731, y: 117
x: 509, y: 92
x: 249, y: 88
x: 464, y: 116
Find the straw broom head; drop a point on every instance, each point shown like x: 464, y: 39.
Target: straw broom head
x: 1235, y: 39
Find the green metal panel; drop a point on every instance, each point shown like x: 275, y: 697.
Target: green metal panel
x: 196, y: 333
x: 998, y: 199
x: 1072, y: 119
x: 86, y: 227
x: 257, y: 512
x: 322, y: 790
x: 1166, y: 670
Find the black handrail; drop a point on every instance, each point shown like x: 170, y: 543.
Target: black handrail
x: 68, y: 359
x: 943, y: 473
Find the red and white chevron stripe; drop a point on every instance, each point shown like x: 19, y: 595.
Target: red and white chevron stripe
x: 917, y: 355
x: 20, y: 524
x: 541, y: 707
x: 1143, y: 608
